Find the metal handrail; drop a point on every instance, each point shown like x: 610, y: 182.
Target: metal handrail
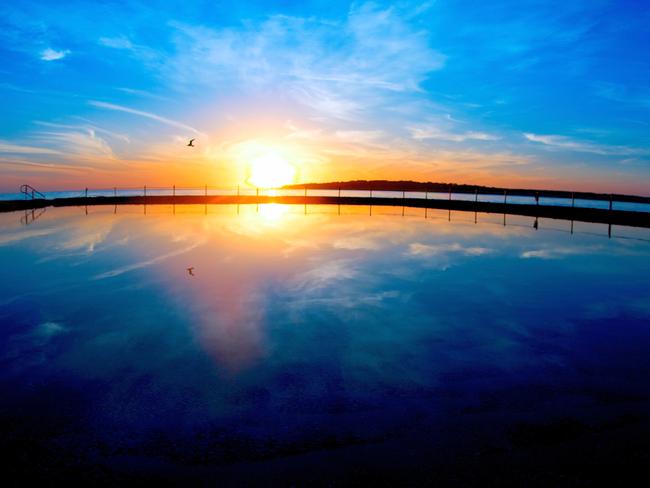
x: 30, y: 191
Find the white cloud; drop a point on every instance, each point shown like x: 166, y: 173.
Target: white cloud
x: 564, y: 142
x: 559, y: 252
x: 146, y: 263
x: 419, y: 249
x: 149, y: 115
x: 359, y: 242
x: 85, y: 143
x: 116, y: 42
x: 359, y: 135
x: 8, y: 148
x: 623, y: 94
x: 336, y: 68
x: 142, y: 93
x: 47, y: 330
x: 431, y: 132
x: 324, y: 274
x: 50, y: 54
x: 21, y: 164
x: 84, y: 127
x: 296, y: 132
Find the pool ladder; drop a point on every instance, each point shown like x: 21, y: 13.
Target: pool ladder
x: 30, y: 191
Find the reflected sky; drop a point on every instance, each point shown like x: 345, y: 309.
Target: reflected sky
x: 303, y: 328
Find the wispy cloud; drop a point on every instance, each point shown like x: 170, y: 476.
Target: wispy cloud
x: 324, y: 274
x: 142, y: 93
x: 84, y: 127
x: 145, y: 263
x: 149, y: 115
x: 9, y: 148
x: 367, y: 136
x: 419, y: 249
x: 559, y: 252
x: 337, y: 68
x: 568, y: 143
x: 431, y: 132
x: 85, y: 143
x: 50, y: 54
x: 624, y: 94
x: 116, y: 42
x: 149, y: 56
x: 43, y: 167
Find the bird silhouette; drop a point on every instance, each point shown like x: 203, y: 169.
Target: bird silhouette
x: 190, y: 271
x: 190, y: 144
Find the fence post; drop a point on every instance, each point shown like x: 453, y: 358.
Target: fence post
x: 339, y: 192
x: 426, y: 195
x: 476, y: 195
x: 174, y: 191
x: 257, y: 192
x: 371, y: 193
x: 505, y: 197
x: 238, y: 190
x: 573, y: 199
x: 537, y: 198
x: 206, y: 190
x: 450, y: 192
x: 305, y: 192
x: 86, y: 193
x: 145, y: 191
x: 611, y: 198
x: 114, y: 191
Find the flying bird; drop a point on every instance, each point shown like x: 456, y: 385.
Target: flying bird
x: 190, y: 144
x: 190, y: 271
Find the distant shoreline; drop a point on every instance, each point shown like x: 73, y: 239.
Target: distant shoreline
x: 409, y: 185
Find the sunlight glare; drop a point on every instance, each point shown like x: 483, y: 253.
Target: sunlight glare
x: 272, y: 212
x: 271, y: 171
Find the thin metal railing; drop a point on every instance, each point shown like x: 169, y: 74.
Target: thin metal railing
x: 30, y: 192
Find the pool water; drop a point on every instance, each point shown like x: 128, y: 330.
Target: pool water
x: 316, y: 345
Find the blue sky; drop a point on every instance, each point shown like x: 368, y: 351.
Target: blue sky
x: 517, y: 93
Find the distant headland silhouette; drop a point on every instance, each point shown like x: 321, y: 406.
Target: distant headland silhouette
x: 437, y: 187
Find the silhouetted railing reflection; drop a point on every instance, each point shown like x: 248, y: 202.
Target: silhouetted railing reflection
x: 597, y: 211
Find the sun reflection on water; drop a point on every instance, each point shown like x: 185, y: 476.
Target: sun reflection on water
x: 273, y: 212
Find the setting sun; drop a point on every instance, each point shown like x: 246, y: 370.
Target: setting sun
x: 270, y: 171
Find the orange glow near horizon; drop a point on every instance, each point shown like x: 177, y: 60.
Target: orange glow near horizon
x: 260, y: 157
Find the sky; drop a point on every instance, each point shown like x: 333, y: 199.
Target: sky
x: 515, y: 93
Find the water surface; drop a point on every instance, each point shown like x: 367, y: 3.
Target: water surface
x: 317, y: 347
